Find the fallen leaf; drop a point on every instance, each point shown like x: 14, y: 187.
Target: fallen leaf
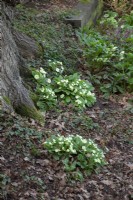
x: 130, y: 165
x: 26, y: 159
x: 107, y: 182
x: 2, y: 158
x: 43, y: 162
x: 63, y: 180
x: 15, y: 184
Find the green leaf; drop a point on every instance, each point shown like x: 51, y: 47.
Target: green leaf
x: 78, y: 175
x: 67, y: 99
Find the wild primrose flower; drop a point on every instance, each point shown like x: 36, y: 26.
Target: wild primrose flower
x: 74, y: 151
x: 57, y: 150
x: 122, y: 55
x: 58, y: 62
x: 36, y: 77
x: 114, y: 48
x: 84, y: 148
x: 57, y: 70
x: 90, y: 93
x: 48, y: 80
x: 122, y: 26
x: 60, y: 138
x: 42, y: 89
x: 71, y: 87
x: 42, y: 71
x: 84, y: 141
x: 78, y: 101
x: 62, y: 96
x: 94, y: 151
x: 97, y: 160
x: 79, y: 136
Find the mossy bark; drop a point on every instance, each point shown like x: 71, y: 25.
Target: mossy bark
x: 7, y: 100
x: 30, y: 112
x: 15, y: 2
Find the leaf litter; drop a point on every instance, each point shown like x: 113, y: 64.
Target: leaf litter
x: 29, y: 172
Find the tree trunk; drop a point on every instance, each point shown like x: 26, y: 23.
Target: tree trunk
x: 12, y: 90
x: 15, y: 2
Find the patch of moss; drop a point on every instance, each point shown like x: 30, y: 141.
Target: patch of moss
x: 100, y: 8
x: 85, y: 1
x: 7, y: 100
x: 30, y: 112
x: 97, y: 13
x: 34, y: 97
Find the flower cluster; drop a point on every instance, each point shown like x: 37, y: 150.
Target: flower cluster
x: 47, y: 92
x: 39, y: 74
x: 121, y: 56
x: 98, y: 50
x: 86, y: 154
x: 67, y: 89
x: 56, y: 66
x: 109, y: 20
x: 46, y: 96
x: 74, y: 90
x: 108, y: 53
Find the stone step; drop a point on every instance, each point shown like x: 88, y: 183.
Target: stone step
x: 86, y: 13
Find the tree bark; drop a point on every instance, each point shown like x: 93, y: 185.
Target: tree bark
x: 15, y: 2
x: 14, y: 94
x: 27, y: 46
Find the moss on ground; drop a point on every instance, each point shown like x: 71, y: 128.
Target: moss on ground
x: 7, y: 100
x: 56, y: 40
x: 30, y: 112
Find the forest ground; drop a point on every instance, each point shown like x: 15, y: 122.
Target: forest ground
x: 28, y: 172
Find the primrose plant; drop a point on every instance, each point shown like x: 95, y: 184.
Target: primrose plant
x: 77, y: 154
x: 108, y: 52
x: 68, y: 89
x: 46, y: 96
x: 56, y: 66
x: 109, y: 20
x: 98, y: 50
x: 74, y: 90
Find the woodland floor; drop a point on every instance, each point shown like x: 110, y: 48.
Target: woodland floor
x: 48, y: 4
x: 28, y: 172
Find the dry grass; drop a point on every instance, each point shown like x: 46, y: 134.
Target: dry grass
x: 120, y: 6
